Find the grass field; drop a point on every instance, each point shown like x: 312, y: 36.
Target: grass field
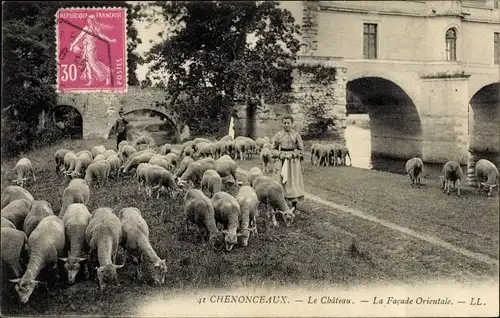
x: 318, y: 250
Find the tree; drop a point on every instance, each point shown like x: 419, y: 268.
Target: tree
x: 209, y: 56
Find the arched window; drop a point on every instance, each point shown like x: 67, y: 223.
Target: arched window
x: 451, y: 45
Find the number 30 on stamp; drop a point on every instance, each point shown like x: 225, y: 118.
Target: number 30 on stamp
x: 91, y: 50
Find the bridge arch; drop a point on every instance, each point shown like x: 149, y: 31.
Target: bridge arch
x: 68, y: 119
x: 395, y: 125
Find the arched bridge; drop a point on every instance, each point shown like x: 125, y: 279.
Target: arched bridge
x: 100, y: 110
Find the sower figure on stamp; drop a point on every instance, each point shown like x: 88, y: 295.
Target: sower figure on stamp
x: 94, y: 69
x: 121, y: 128
x: 288, y: 148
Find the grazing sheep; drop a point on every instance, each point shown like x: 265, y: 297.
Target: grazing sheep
x: 103, y: 235
x: 198, y: 140
x: 144, y: 140
x: 76, y: 219
x: 199, y: 210
x: 159, y: 178
x: 16, y: 212
x: 22, y: 169
x: 99, y: 170
x: 344, y: 152
x: 83, y: 160
x: 140, y: 173
x: 242, y: 147
x: 184, y: 148
x: 14, y: 247
x: 271, y: 194
x: 7, y: 223
x: 268, y: 145
x: 45, y: 244
x: 227, y: 212
x: 207, y: 150
x: 253, y: 173
x: 260, y: 142
x: 173, y: 160
x: 126, y: 152
x: 40, y: 209
x: 109, y: 152
x: 97, y: 150
x: 221, y: 148
x: 59, y: 158
x: 160, y: 161
x: 265, y: 159
x: 114, y: 165
x: 136, y: 159
x: 225, y: 167
x: 165, y: 149
x: 226, y: 137
x: 319, y: 154
x: 99, y: 157
x: 195, y: 171
x: 249, y: 204
x: 135, y: 241
x: 12, y: 193
x: 122, y: 144
x: 414, y: 167
x: 186, y: 161
x: 77, y: 191
x: 69, y: 162
x: 231, y: 148
x: 211, y: 182
x: 452, y: 172
x: 487, y: 175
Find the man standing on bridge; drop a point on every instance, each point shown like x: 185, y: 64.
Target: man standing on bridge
x: 121, y: 128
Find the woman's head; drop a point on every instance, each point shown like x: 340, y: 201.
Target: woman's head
x: 287, y: 122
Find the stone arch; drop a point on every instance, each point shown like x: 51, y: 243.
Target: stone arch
x: 396, y: 129
x: 67, y: 118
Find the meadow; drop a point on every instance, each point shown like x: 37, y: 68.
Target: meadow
x: 320, y: 249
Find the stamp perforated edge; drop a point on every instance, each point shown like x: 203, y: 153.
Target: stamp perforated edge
x: 90, y: 91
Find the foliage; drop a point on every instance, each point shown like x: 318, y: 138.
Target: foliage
x: 321, y: 75
x: 208, y: 56
x: 320, y: 122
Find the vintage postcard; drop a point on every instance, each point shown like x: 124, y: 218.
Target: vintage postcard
x: 250, y: 158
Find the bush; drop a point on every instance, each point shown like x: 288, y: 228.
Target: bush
x: 320, y: 123
x: 16, y: 137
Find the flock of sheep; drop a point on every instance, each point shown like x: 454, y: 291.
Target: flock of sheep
x: 33, y: 234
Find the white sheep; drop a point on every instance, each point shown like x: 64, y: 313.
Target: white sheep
x: 165, y: 149
x: 140, y: 173
x: 173, y: 159
x: 122, y: 144
x: 185, y: 162
x: 136, y: 159
x: 159, y: 178
x: 45, y: 244
x: 195, y: 171
x: 198, y: 210
x: 11, y: 193
x: 211, y: 182
x: 126, y: 152
x: 242, y: 147
x: 206, y: 150
x: 76, y: 219
x: 59, y: 158
x: 99, y: 157
x: 69, y: 162
x: 40, y: 209
x: 7, y: 223
x: 249, y: 207
x: 265, y: 159
x: 22, y: 169
x: 99, y: 170
x: 135, y: 241
x: 160, y: 160
x: 271, y: 194
x: 96, y: 150
x: 414, y: 167
x: 487, y: 175
x: 319, y: 154
x: 103, y: 236
x: 253, y: 173
x: 231, y: 148
x: 144, y: 140
x: 109, y: 152
x: 227, y: 212
x: 260, y: 142
x: 14, y: 247
x: 114, y: 165
x: 268, y: 145
x: 77, y: 191
x: 83, y: 160
x: 226, y: 137
x: 16, y: 212
x: 225, y: 167
x: 452, y: 173
x: 221, y: 148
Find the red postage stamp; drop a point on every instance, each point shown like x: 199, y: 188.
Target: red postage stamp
x: 91, y: 50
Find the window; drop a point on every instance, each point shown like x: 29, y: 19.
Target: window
x: 495, y: 4
x: 451, y: 45
x: 497, y: 47
x: 369, y: 41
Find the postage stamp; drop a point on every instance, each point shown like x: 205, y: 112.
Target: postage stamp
x: 91, y: 50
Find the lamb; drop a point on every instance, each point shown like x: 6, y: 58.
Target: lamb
x: 225, y: 167
x: 22, y: 168
x: 99, y: 170
x: 7, y: 223
x: 166, y: 148
x: 76, y: 219
x: 253, y: 173
x: 186, y: 161
x: 161, y: 178
x: 195, y: 171
x: 227, y: 213
x: 59, y: 158
x: 103, y: 235
x: 40, y: 209
x: 69, y: 162
x: 271, y: 194
x: 211, y: 182
x: 487, y: 175
x: 14, y: 247
x: 96, y: 150
x: 414, y: 167
x: 16, y: 212
x: 45, y: 244
x: 452, y: 172
x: 83, y: 160
x: 77, y: 191
x: 265, y: 158
x: 12, y: 193
x: 198, y: 209
x: 136, y: 159
x: 249, y: 204
x: 135, y: 241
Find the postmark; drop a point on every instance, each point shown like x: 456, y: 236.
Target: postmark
x: 91, y: 50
